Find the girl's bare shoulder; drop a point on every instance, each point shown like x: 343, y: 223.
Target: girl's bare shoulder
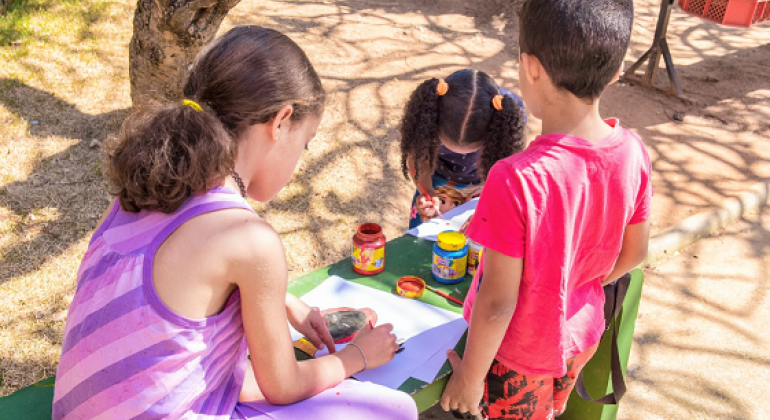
x: 232, y: 234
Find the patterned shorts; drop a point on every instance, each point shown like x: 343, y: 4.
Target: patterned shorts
x: 509, y: 395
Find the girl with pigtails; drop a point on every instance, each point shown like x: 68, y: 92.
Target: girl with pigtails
x: 453, y: 131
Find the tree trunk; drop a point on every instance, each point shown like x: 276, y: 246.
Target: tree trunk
x: 167, y: 36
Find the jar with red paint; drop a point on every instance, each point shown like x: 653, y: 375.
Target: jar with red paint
x: 368, y: 249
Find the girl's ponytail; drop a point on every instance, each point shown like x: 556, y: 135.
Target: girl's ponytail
x: 165, y: 154
x: 419, y: 129
x: 506, y: 134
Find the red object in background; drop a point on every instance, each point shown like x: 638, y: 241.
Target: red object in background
x: 738, y: 13
x: 368, y: 250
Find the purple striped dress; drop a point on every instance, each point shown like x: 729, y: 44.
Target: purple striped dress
x: 127, y: 356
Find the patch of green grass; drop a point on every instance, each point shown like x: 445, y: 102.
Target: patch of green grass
x: 28, y: 21
x: 96, y: 168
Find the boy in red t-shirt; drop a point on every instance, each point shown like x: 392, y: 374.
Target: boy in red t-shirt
x: 558, y: 220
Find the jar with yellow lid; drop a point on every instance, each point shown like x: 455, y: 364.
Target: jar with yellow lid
x: 474, y: 256
x: 450, y: 257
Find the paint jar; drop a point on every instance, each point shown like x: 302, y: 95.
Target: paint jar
x: 450, y: 257
x: 474, y: 256
x: 368, y: 249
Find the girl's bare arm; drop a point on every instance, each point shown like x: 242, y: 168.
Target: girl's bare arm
x: 425, y: 176
x: 259, y: 269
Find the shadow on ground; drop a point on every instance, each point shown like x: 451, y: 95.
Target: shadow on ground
x: 371, y: 54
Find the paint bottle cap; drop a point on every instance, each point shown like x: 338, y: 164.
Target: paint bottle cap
x: 451, y: 240
x: 410, y: 287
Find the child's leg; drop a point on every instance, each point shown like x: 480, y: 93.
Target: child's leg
x: 510, y: 395
x: 562, y: 387
x: 348, y: 400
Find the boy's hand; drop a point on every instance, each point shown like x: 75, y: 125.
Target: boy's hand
x: 459, y: 395
x: 428, y: 208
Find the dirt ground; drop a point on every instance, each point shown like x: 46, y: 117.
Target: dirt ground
x: 68, y: 91
x: 700, y: 350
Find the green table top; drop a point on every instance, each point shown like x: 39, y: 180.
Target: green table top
x: 404, y: 256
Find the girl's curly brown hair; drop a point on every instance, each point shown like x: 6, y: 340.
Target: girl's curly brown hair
x: 164, y: 154
x: 464, y: 115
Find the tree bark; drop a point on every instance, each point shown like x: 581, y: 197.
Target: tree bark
x: 167, y: 36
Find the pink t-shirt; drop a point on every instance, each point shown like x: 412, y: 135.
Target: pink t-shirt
x: 562, y: 205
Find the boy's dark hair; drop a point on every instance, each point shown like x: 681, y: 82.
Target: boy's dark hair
x: 580, y: 43
x: 164, y: 154
x: 464, y: 115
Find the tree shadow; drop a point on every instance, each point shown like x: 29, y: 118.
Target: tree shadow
x: 703, y: 321
x: 707, y: 153
x: 70, y: 181
x: 343, y: 39
x: 706, y: 149
x: 351, y: 173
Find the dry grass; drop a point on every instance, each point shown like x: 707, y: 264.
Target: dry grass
x: 64, y: 89
x: 61, y: 87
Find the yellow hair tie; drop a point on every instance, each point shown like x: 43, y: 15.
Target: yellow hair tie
x: 192, y: 104
x: 497, y: 102
x: 442, y: 87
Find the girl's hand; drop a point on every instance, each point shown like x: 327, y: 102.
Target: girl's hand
x: 309, y: 322
x: 428, y: 208
x: 378, y: 344
x: 466, y: 224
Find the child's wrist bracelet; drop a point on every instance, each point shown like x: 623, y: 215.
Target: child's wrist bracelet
x: 366, y: 364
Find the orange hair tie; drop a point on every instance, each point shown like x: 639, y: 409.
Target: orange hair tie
x: 497, y: 102
x: 442, y: 87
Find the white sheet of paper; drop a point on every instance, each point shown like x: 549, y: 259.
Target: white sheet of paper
x: 417, y: 351
x: 409, y: 317
x: 426, y: 328
x: 427, y: 371
x: 453, y: 220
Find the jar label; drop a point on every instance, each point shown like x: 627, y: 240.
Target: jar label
x: 473, y: 261
x: 448, y: 268
x: 368, y: 259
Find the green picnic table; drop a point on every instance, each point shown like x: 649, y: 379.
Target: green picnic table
x: 405, y: 255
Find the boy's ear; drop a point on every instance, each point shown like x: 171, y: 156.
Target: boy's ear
x: 617, y: 75
x: 532, y: 67
x: 280, y: 121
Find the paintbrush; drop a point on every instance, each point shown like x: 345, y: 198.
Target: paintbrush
x: 424, y: 191
x: 440, y: 293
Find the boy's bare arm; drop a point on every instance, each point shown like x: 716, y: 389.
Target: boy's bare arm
x: 492, y: 310
x: 632, y: 252
x: 492, y: 313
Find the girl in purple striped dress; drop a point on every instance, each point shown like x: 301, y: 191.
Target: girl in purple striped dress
x: 182, y: 279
